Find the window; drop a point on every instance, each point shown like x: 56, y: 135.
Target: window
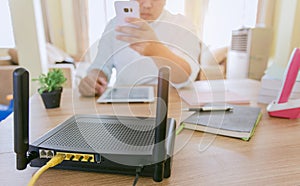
x: 224, y: 16
x: 6, y: 31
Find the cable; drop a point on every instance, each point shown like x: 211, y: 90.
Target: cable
x: 137, y: 175
x: 55, y: 160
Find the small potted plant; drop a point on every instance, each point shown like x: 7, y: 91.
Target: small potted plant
x: 51, y: 87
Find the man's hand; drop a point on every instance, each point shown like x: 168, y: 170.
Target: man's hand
x: 143, y: 39
x: 94, y: 83
x: 140, y: 36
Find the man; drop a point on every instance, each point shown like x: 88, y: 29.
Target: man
x: 156, y: 39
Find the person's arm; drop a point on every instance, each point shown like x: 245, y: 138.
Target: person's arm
x: 144, y: 40
x: 99, y: 72
x: 93, y: 84
x: 163, y: 56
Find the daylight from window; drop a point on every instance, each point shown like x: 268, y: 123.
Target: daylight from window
x: 224, y: 16
x: 6, y: 31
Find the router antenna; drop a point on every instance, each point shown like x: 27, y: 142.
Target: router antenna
x: 21, y: 114
x: 159, y: 151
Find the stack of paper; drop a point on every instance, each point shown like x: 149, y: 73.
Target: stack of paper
x: 214, y: 91
x: 271, y: 84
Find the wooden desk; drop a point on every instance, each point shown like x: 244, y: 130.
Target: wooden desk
x: 271, y: 157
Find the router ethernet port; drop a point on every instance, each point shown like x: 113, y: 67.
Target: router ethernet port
x: 43, y: 154
x: 46, y: 153
x: 50, y: 154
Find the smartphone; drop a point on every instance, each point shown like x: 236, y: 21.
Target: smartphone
x: 126, y: 9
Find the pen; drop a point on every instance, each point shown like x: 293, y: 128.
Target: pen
x: 210, y: 108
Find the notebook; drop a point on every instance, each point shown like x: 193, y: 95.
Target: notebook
x: 127, y: 95
x: 240, y: 122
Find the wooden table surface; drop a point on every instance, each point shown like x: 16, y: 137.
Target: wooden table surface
x: 271, y: 157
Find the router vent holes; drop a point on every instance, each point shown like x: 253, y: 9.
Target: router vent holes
x: 105, y: 135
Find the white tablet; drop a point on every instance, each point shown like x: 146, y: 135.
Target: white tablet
x: 127, y: 95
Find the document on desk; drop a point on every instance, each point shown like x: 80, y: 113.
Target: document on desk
x: 238, y: 121
x: 204, y: 92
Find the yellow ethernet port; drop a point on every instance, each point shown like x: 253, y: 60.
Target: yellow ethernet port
x: 78, y: 157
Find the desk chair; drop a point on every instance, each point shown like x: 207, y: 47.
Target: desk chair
x: 212, y: 62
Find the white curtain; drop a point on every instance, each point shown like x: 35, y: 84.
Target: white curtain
x: 196, y: 11
x: 67, y: 29
x: 265, y: 13
x: 80, y: 12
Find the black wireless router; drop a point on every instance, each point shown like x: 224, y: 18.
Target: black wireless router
x: 110, y: 144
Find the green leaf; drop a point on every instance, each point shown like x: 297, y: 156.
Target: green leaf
x: 53, y: 80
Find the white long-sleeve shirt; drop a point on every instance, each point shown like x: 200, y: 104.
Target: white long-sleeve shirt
x: 175, y: 31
